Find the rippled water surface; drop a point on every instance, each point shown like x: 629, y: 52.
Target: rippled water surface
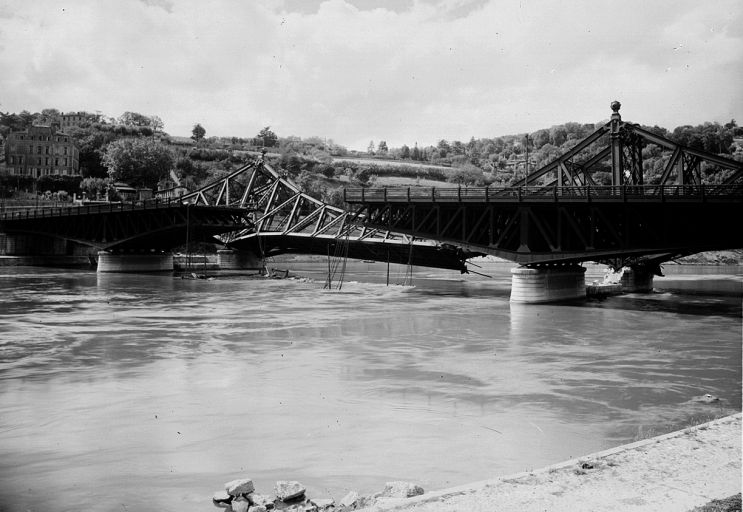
x: 135, y: 392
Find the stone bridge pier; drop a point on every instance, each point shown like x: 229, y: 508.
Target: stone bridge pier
x: 637, y: 279
x: 135, y: 261
x: 535, y: 285
x: 231, y: 259
x: 555, y: 283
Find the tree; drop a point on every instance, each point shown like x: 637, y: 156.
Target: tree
x: 136, y: 119
x: 198, y: 132
x: 404, y: 152
x: 91, y: 142
x: 467, y: 175
x: 270, y: 139
x: 382, y: 147
x: 95, y: 187
x: 156, y: 123
x: 138, y: 162
x: 370, y: 148
x: 444, y: 148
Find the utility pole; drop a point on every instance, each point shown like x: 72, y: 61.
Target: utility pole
x: 526, y: 162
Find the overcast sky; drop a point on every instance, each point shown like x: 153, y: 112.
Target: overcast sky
x: 404, y: 71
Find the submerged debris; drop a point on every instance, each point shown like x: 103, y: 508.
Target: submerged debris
x: 706, y: 398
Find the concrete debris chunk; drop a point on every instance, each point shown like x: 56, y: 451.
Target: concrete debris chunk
x: 222, y: 497
x: 239, y: 487
x: 258, y: 508
x: 262, y: 500
x: 350, y: 499
x: 288, y: 490
x: 401, y: 489
x: 323, y: 503
x: 240, y: 505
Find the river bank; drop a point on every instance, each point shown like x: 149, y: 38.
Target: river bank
x: 677, y: 471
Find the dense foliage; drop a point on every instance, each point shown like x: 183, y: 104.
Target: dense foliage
x: 141, y: 162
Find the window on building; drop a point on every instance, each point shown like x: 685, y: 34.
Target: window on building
x: 47, y: 150
x: 38, y: 149
x: 56, y: 161
x: 65, y: 162
x: 65, y: 150
x: 46, y: 161
x: 38, y: 161
x: 12, y: 160
x: 20, y: 159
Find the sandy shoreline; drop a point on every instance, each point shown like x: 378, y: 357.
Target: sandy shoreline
x: 675, y: 472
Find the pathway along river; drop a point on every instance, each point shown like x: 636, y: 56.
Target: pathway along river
x: 140, y: 392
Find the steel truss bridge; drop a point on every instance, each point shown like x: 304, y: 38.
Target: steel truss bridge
x: 558, y: 214
x: 283, y: 219
x: 156, y: 224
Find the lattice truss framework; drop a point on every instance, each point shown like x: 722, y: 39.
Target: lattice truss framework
x: 278, y: 208
x: 617, y: 148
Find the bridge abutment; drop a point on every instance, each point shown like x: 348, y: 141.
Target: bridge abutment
x: 230, y: 259
x: 637, y: 280
x: 135, y: 262
x: 547, y: 284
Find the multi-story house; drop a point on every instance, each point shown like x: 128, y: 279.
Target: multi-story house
x: 41, y: 151
x: 73, y: 119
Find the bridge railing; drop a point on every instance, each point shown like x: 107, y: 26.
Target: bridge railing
x: 540, y: 193
x: 86, y: 209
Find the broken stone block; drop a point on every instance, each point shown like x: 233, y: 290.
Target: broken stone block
x: 222, y: 497
x: 350, y: 499
x: 239, y: 487
x: 221, y: 504
x: 262, y: 500
x: 401, y: 490
x: 323, y: 503
x: 258, y: 508
x: 288, y: 490
x: 240, y: 505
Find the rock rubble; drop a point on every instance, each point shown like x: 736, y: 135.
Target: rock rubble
x: 290, y: 496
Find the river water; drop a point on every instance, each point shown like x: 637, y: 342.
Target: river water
x: 141, y: 392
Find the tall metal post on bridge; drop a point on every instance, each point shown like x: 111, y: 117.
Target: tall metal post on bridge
x: 617, y: 155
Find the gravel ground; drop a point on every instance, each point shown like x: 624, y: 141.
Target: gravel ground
x: 674, y: 472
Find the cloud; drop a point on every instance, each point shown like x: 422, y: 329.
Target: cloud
x: 355, y: 70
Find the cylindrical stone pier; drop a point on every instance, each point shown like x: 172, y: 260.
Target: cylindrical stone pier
x: 636, y: 280
x: 547, y: 284
x: 135, y: 262
x: 229, y: 259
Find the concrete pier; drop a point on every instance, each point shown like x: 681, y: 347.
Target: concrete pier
x: 636, y: 280
x: 135, y: 262
x: 547, y: 284
x: 230, y: 259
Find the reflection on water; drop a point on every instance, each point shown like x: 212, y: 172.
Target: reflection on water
x: 147, y: 392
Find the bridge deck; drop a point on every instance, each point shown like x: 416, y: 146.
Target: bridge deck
x: 645, y: 193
